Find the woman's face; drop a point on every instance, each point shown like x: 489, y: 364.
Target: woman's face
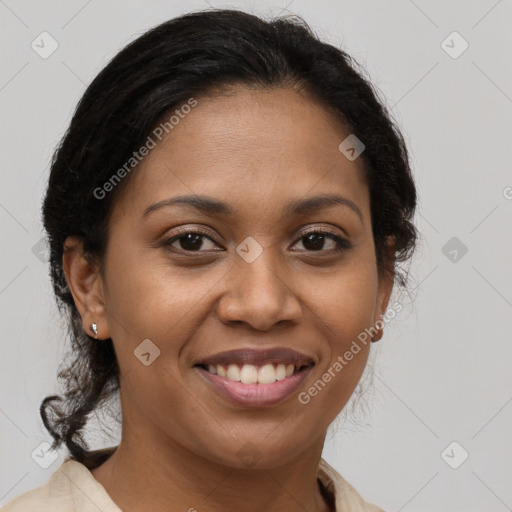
x: 250, y: 279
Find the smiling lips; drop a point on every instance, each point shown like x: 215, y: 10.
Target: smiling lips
x: 251, y: 374
x: 256, y: 377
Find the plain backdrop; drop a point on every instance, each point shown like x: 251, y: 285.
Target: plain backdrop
x: 442, y: 385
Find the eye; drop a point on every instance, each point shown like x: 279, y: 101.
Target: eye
x: 189, y: 240
x: 314, y: 240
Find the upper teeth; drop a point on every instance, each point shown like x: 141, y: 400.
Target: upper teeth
x: 251, y: 374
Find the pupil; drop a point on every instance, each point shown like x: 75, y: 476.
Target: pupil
x: 193, y: 241
x: 316, y: 239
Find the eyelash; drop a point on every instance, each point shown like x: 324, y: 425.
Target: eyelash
x: 342, y: 244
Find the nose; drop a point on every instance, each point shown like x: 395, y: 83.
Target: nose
x: 259, y: 294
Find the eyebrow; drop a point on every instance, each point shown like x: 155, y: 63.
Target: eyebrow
x: 211, y: 206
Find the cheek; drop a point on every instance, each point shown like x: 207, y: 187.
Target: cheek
x: 346, y: 301
x: 344, y: 307
x: 343, y: 310
x: 149, y: 297
x: 162, y: 304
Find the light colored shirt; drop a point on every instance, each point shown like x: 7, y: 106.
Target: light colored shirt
x: 73, y: 488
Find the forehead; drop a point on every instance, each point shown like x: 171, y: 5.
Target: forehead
x: 251, y: 148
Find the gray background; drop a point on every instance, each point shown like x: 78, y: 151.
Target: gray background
x: 442, y: 371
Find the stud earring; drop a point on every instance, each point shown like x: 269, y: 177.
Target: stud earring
x: 94, y: 329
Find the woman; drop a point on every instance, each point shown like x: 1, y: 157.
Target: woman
x: 226, y: 216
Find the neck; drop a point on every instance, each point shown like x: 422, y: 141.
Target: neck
x: 165, y: 477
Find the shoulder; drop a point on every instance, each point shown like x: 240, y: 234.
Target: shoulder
x: 345, y: 495
x: 55, y: 495
x: 72, y: 488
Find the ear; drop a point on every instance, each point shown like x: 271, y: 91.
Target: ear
x: 386, y: 281
x: 86, y: 286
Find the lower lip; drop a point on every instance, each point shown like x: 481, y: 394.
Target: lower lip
x: 255, y: 395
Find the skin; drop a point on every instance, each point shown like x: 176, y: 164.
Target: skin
x: 257, y: 151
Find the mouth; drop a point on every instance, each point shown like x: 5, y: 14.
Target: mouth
x: 252, y: 374
x: 255, y: 378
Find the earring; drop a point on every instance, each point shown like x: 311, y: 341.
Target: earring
x: 94, y: 329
